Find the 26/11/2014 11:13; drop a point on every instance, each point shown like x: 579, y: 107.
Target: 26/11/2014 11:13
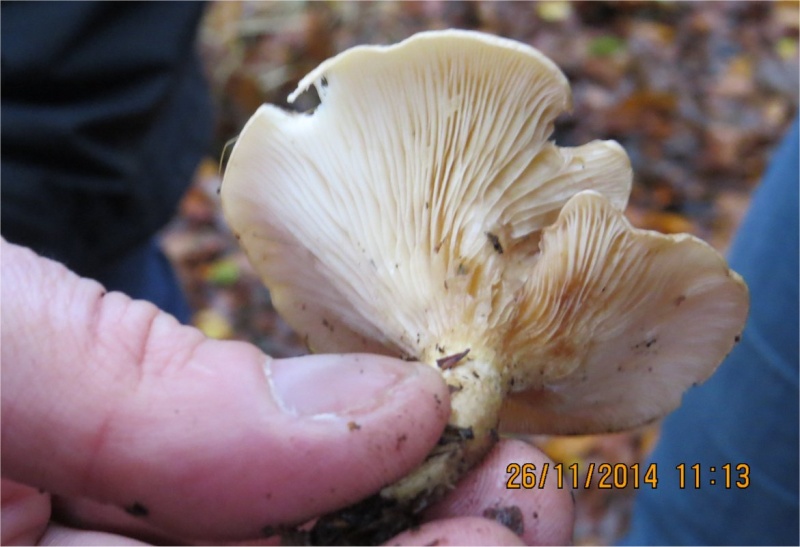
x: 620, y: 475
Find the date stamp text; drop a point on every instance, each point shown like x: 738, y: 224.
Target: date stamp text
x: 528, y: 476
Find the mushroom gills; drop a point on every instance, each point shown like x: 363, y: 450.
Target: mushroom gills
x: 421, y: 212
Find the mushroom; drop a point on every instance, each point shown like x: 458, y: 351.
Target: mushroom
x: 421, y: 212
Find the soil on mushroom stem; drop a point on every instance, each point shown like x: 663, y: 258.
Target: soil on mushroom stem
x: 697, y: 93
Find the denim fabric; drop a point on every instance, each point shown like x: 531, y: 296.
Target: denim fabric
x: 748, y: 411
x: 145, y: 273
x: 105, y: 116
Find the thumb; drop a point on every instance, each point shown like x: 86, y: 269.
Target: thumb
x: 108, y: 398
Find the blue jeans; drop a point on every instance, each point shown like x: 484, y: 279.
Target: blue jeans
x: 748, y: 411
x: 145, y: 273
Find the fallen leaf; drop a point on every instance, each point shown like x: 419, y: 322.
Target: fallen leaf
x: 606, y: 46
x: 223, y: 272
x: 554, y: 12
x: 213, y: 324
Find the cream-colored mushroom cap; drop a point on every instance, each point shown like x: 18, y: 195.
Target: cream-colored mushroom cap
x: 421, y: 211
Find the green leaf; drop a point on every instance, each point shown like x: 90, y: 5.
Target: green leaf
x: 606, y: 46
x: 223, y: 272
x: 786, y: 48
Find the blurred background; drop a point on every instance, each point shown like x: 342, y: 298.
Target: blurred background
x: 698, y: 93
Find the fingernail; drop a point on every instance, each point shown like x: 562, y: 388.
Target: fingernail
x: 334, y: 384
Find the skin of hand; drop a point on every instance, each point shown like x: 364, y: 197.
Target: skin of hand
x: 119, y: 425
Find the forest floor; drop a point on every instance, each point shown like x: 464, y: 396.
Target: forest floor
x: 697, y: 93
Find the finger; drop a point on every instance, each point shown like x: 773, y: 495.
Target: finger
x: 24, y: 515
x: 108, y: 398
x: 542, y: 515
x: 86, y: 514
x: 75, y: 514
x: 61, y: 535
x: 458, y: 531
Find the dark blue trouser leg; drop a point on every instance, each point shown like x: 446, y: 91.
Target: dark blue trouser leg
x: 748, y: 411
x: 145, y: 273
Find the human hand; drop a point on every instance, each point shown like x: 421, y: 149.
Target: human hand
x: 118, y: 419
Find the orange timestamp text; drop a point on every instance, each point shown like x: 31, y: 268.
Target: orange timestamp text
x: 621, y: 475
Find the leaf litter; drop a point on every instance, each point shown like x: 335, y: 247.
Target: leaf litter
x: 697, y: 93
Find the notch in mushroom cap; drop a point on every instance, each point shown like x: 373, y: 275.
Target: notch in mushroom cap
x: 377, y: 221
x: 420, y: 211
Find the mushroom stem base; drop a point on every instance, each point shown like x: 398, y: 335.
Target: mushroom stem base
x: 475, y: 401
x: 471, y: 432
